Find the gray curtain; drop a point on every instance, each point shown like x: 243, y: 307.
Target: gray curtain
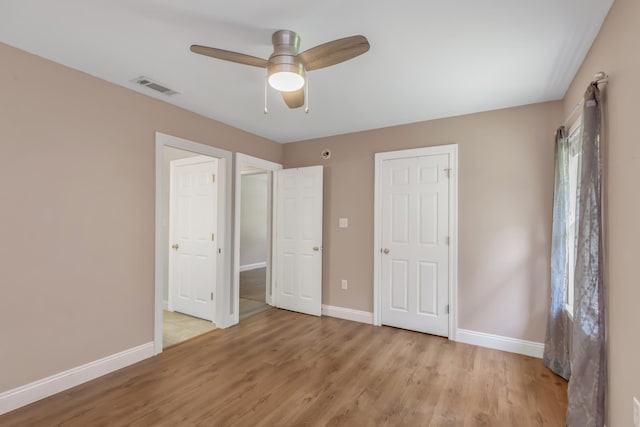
x: 556, y: 345
x: 588, y: 380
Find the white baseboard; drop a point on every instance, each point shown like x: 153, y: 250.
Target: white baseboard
x: 26, y: 394
x: 512, y: 345
x: 257, y: 265
x: 347, y: 314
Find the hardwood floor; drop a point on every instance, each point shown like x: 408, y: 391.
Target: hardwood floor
x: 253, y: 283
x: 249, y: 307
x: 285, y: 369
x: 252, y: 292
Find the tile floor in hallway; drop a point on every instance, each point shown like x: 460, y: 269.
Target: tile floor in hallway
x: 178, y: 327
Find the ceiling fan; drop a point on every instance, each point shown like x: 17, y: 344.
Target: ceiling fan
x: 286, y: 68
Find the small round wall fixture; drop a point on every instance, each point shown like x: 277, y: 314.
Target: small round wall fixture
x: 326, y: 153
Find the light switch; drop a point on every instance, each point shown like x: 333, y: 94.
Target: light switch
x: 343, y: 223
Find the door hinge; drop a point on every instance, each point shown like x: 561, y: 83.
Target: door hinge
x: 211, y: 296
x: 213, y: 178
x: 446, y: 309
x: 447, y: 240
x: 219, y: 250
x: 448, y: 172
x: 213, y: 237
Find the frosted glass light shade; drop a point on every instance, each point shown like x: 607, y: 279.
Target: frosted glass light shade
x: 286, y: 81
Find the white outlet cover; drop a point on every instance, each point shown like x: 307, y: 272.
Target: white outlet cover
x: 636, y: 412
x: 344, y: 284
x: 343, y: 223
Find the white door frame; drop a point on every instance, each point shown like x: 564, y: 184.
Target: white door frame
x: 224, y: 317
x: 244, y: 159
x: 452, y: 151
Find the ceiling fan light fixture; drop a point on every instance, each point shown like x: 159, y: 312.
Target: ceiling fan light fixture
x: 286, y: 81
x: 286, y: 77
x: 286, y: 67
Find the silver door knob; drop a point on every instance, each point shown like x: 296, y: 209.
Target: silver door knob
x: 385, y: 251
x: 316, y: 249
x: 175, y: 246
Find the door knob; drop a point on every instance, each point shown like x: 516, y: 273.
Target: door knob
x: 316, y: 249
x: 175, y: 246
x: 385, y: 251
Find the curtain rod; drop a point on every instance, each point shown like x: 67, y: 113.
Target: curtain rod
x: 599, y: 77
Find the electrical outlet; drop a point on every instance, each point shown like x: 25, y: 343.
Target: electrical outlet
x: 343, y: 223
x: 636, y: 412
x: 344, y: 284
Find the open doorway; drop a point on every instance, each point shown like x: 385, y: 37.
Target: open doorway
x: 254, y: 240
x: 193, y: 259
x: 190, y: 204
x: 253, y: 235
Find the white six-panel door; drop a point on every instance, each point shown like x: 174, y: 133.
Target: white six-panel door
x: 298, y: 253
x: 193, y: 236
x: 414, y: 248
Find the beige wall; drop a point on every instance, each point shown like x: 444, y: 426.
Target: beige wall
x: 77, y: 212
x: 616, y: 51
x: 505, y: 197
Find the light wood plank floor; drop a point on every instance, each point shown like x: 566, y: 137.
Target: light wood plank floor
x: 253, y: 284
x: 250, y: 307
x: 252, y: 292
x: 285, y: 369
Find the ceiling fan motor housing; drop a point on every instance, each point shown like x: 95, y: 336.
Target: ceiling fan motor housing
x: 286, y: 44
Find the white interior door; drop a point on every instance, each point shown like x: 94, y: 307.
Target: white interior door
x: 298, y: 254
x: 415, y: 253
x: 193, y: 236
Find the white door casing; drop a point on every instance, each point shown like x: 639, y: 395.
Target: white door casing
x: 298, y: 253
x: 223, y: 295
x: 416, y: 240
x: 193, y: 236
x: 240, y: 160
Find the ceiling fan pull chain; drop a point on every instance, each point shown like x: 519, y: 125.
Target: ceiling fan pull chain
x: 306, y: 95
x: 265, y: 94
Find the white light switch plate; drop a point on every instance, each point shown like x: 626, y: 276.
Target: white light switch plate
x: 344, y: 284
x: 636, y: 412
x: 343, y: 223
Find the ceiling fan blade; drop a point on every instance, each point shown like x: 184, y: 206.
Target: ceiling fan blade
x: 334, y: 52
x: 294, y: 99
x: 227, y: 55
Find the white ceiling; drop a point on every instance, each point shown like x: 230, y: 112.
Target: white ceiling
x: 428, y: 59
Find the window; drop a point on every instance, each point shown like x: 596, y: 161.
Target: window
x: 575, y: 159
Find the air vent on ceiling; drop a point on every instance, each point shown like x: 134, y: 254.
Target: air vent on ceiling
x: 147, y: 82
